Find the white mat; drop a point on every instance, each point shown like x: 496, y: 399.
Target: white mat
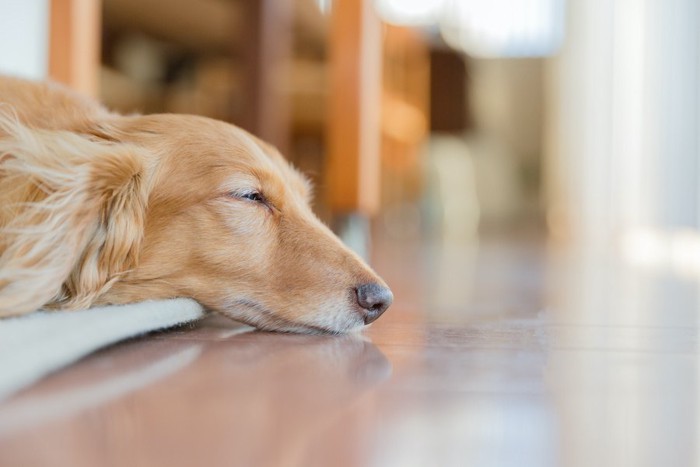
x: 34, y: 345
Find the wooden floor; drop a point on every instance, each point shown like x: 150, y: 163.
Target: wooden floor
x: 501, y: 353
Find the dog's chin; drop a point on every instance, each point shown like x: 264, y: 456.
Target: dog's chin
x: 302, y: 328
x: 310, y: 329
x: 329, y: 322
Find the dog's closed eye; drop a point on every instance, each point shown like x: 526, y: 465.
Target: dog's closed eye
x: 251, y: 196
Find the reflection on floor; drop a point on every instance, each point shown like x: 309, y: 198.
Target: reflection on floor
x: 502, y: 353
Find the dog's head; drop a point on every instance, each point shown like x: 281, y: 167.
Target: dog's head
x: 227, y: 221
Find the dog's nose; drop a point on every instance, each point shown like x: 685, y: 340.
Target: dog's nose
x: 374, y: 300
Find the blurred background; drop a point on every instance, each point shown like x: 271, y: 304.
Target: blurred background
x: 524, y: 173
x: 435, y: 120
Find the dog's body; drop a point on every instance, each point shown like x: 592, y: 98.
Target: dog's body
x: 99, y: 208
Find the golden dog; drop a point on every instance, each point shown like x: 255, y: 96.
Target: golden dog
x: 100, y: 208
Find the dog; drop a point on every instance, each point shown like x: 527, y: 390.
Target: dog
x: 100, y: 208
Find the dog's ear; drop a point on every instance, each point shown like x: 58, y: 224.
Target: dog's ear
x: 72, y: 210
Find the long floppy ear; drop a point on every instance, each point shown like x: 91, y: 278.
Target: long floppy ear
x: 72, y: 209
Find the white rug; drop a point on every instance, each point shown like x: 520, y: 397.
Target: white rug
x: 31, y: 346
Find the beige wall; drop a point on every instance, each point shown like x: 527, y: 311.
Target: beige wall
x: 507, y: 104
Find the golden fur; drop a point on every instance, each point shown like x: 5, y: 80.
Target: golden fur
x: 100, y: 208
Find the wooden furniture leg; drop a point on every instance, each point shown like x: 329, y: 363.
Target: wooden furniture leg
x: 353, y: 165
x: 267, y: 54
x: 74, y: 44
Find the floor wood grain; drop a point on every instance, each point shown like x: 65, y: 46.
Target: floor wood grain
x: 504, y: 352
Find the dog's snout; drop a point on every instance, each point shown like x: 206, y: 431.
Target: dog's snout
x: 374, y: 299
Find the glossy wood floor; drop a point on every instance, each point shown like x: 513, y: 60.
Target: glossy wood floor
x: 502, y: 353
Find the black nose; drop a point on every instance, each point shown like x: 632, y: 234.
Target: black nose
x: 374, y: 300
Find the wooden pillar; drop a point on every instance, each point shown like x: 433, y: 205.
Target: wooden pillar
x: 353, y: 165
x: 74, y: 44
x: 267, y: 48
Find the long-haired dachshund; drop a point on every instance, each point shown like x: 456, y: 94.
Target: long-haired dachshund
x: 101, y: 208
